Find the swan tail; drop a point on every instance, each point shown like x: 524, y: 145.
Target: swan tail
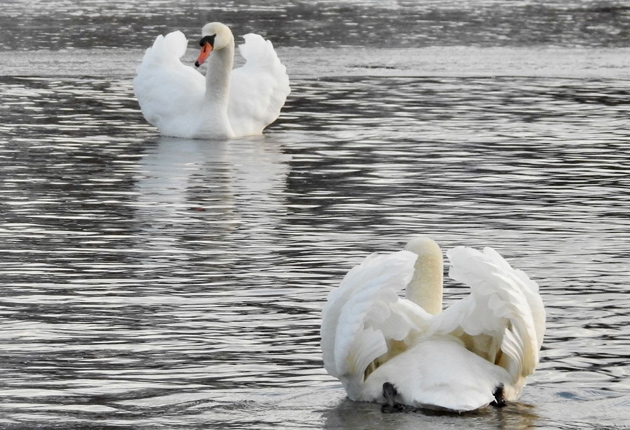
x: 258, y: 89
x: 439, y: 373
x: 517, y: 325
x: 356, y: 320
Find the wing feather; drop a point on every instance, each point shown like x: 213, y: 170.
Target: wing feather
x: 169, y: 92
x: 503, y: 310
x: 258, y: 89
x: 358, y: 310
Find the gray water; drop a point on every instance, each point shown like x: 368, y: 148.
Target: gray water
x: 167, y: 283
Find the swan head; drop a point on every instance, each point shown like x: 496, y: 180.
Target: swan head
x: 214, y: 36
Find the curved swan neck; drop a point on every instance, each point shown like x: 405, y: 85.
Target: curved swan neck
x: 218, y: 74
x: 425, y: 288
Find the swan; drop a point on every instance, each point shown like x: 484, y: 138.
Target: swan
x: 408, y: 352
x: 227, y: 103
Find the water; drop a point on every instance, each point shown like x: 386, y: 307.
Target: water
x: 168, y: 283
x: 385, y: 23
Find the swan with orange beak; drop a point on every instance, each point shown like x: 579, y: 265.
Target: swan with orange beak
x: 226, y: 102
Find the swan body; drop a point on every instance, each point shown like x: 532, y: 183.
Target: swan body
x: 456, y: 359
x: 226, y: 103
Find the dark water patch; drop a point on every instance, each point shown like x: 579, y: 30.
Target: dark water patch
x: 89, y: 24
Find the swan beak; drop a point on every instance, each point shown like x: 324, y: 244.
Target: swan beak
x: 206, y: 49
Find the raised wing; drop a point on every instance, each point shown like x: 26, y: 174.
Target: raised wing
x: 503, y: 320
x: 365, y: 314
x: 167, y: 90
x: 258, y: 89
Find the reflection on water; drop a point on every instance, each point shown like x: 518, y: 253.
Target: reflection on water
x: 213, y: 187
x: 152, y: 282
x: 350, y: 415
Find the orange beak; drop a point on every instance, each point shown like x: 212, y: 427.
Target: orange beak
x: 206, y: 49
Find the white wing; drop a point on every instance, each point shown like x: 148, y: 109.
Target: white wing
x: 503, y: 320
x: 365, y: 313
x: 169, y: 93
x: 258, y: 89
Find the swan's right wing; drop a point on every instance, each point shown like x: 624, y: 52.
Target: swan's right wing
x: 365, y: 313
x: 166, y: 89
x: 503, y: 319
x: 258, y: 89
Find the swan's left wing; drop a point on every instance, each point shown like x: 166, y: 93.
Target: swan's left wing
x: 503, y: 319
x: 258, y: 89
x: 365, y: 313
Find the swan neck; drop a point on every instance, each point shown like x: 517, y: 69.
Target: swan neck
x: 425, y: 287
x: 218, y: 74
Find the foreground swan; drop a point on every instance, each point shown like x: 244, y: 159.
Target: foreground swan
x: 227, y: 103
x: 389, y: 349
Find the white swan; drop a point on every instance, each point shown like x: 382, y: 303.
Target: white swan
x: 389, y: 349
x: 227, y: 103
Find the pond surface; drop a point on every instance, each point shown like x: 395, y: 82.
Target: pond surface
x: 167, y: 283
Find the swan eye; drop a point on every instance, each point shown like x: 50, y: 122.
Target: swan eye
x: 207, y: 39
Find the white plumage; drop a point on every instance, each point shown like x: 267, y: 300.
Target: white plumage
x: 455, y: 359
x: 226, y: 103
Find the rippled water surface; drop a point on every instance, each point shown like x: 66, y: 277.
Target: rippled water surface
x: 384, y: 23
x: 166, y: 283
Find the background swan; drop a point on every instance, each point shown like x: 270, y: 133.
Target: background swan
x: 477, y: 351
x: 227, y: 103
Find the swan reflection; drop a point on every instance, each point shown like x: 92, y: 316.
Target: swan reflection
x: 350, y: 415
x: 187, y: 188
